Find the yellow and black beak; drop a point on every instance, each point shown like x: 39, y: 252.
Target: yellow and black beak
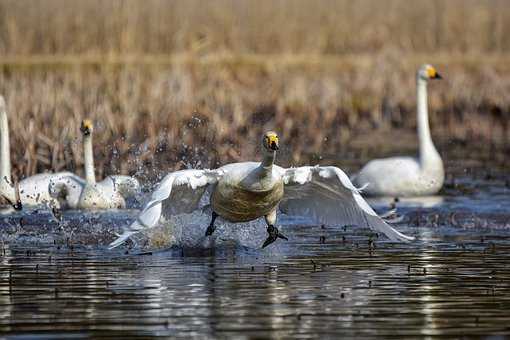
x: 86, y: 127
x: 272, y: 142
x: 433, y: 74
x: 274, y: 146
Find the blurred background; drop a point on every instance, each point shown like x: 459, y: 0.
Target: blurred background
x: 173, y: 84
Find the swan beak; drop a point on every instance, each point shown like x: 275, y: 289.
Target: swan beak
x: 271, y: 141
x: 432, y: 72
x: 86, y: 127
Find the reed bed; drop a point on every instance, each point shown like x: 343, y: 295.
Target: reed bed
x: 173, y: 84
x: 188, y: 114
x: 252, y: 26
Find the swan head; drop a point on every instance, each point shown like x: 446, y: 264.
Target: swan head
x: 86, y: 127
x: 270, y: 141
x: 427, y: 72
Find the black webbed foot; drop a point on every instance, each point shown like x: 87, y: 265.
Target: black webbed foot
x: 211, y: 228
x: 273, y: 235
x: 57, y: 213
x: 17, y: 206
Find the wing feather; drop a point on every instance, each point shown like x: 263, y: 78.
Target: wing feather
x: 179, y: 192
x: 326, y: 194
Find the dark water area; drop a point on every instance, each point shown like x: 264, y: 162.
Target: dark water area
x: 58, y: 279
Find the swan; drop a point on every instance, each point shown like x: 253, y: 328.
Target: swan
x: 408, y: 176
x: 31, y: 191
x: 88, y: 194
x: 241, y: 192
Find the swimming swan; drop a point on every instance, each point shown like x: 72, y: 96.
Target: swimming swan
x: 32, y: 191
x: 79, y: 194
x: 242, y: 192
x: 408, y: 176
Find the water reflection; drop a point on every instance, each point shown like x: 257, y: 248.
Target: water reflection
x: 5, y: 290
x: 336, y: 288
x: 326, y: 281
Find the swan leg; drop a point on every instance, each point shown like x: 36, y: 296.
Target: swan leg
x: 273, y: 232
x: 211, y: 227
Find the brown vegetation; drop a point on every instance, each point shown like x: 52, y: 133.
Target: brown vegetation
x: 252, y: 26
x: 177, y: 83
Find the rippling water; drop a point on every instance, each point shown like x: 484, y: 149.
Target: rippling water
x: 327, y: 280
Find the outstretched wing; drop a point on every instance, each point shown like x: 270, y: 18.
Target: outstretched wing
x: 327, y: 195
x: 179, y: 191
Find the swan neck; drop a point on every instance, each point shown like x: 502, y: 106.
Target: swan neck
x: 268, y: 161
x: 427, y: 148
x: 88, y: 156
x: 5, y: 159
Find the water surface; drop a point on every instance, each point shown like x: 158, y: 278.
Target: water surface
x: 327, y: 280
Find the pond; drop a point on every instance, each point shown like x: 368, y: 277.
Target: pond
x: 58, y: 279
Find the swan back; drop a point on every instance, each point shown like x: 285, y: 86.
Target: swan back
x: 67, y: 190
x: 100, y: 196
x: 110, y: 193
x: 126, y: 186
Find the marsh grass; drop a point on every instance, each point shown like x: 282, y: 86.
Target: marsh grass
x: 194, y: 115
x: 252, y: 26
x: 173, y: 84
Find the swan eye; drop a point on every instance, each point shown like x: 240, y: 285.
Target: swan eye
x: 267, y: 141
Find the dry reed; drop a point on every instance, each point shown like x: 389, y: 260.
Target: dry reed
x: 252, y: 26
x: 172, y: 84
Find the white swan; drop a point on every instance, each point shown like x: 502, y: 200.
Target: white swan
x: 79, y: 194
x: 32, y: 191
x: 408, y: 176
x: 245, y: 191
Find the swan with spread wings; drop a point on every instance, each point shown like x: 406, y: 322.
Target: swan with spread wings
x: 242, y: 192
